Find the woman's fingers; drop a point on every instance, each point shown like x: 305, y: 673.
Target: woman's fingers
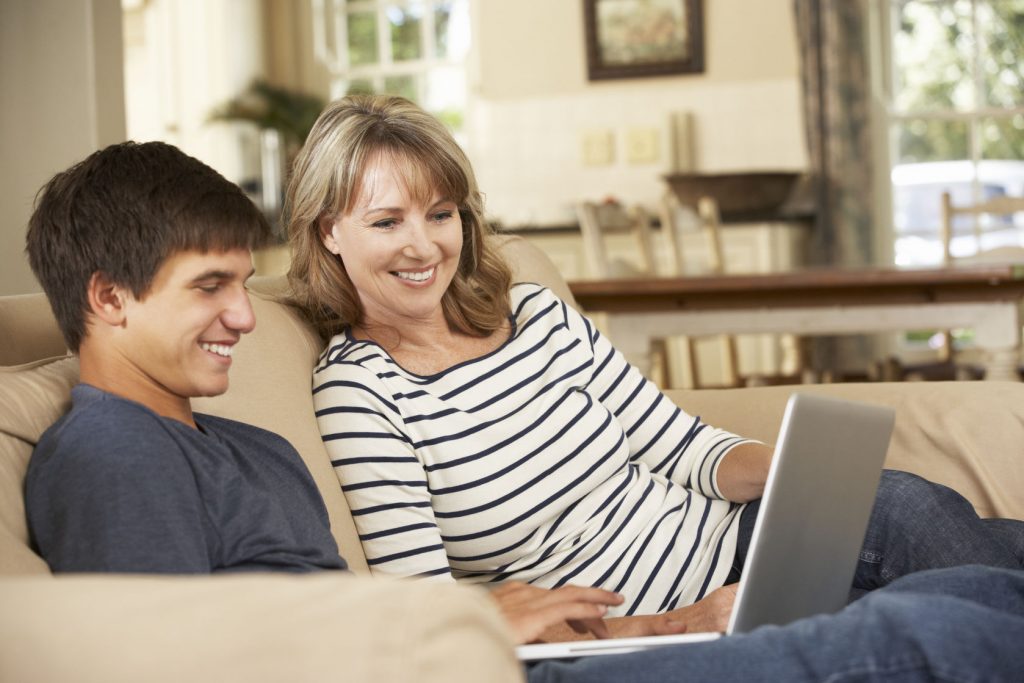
x: 595, y: 627
x: 710, y: 614
x: 531, y: 610
x: 597, y: 596
x: 669, y: 627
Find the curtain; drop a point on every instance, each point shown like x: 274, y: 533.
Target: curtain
x: 832, y: 39
x: 834, y: 74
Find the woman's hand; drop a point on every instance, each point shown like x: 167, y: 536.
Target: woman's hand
x: 576, y: 613
x: 710, y: 614
x: 531, y: 611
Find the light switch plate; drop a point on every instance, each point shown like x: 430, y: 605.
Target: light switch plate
x: 643, y: 145
x: 598, y: 147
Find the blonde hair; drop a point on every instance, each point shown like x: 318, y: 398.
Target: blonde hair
x: 327, y: 179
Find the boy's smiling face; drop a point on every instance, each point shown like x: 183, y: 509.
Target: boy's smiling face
x: 176, y: 341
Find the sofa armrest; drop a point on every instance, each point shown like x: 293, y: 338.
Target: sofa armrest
x: 966, y: 435
x: 249, y: 628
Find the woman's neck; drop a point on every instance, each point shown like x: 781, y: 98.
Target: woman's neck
x: 420, y: 335
x: 428, y: 348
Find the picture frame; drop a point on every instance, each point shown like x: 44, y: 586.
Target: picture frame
x: 639, y: 38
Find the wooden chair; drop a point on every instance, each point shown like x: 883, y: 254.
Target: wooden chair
x: 946, y: 367
x: 710, y: 224
x: 598, y: 221
x: 996, y: 206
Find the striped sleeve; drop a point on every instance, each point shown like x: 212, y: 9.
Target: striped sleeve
x: 671, y: 443
x: 382, y: 479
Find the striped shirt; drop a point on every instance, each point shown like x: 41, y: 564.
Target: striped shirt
x: 550, y: 460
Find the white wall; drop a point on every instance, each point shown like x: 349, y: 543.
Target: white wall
x: 533, y: 104
x: 184, y: 58
x: 63, y: 78
x: 60, y: 75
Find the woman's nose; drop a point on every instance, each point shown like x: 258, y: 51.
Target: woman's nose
x: 418, y: 244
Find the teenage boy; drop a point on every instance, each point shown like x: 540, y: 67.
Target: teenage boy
x: 143, y: 253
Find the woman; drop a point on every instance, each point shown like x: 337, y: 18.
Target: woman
x: 486, y: 432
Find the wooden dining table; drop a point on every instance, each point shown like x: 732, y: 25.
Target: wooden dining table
x: 983, y: 298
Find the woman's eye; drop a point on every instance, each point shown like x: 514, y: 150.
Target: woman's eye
x: 443, y: 216
x: 385, y: 225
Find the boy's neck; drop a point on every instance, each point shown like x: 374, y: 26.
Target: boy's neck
x: 127, y: 381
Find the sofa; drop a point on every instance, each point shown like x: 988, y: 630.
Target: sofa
x: 251, y: 628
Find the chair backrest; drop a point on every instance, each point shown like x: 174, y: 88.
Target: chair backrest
x: 708, y: 218
x: 996, y: 206
x: 600, y: 219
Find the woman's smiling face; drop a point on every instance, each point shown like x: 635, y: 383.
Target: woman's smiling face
x: 400, y: 247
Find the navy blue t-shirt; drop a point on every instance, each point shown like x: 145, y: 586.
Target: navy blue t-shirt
x: 114, y: 487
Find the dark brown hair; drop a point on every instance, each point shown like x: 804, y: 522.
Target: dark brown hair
x: 123, y: 211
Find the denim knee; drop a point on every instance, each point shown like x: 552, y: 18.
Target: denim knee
x: 905, y: 493
x: 918, y: 524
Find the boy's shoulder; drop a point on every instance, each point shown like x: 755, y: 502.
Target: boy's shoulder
x: 102, y: 427
x: 98, y: 413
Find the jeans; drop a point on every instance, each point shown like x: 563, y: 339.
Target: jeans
x: 957, y: 624
x: 915, y: 525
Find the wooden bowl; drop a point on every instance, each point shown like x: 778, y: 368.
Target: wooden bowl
x: 754, y: 193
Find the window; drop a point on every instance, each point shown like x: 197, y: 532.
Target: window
x: 414, y: 48
x: 955, y: 118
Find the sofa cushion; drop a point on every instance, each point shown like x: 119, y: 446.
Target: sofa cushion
x: 530, y: 264
x: 35, y: 333
x: 32, y: 397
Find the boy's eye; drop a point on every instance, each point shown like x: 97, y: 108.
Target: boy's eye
x: 209, y: 289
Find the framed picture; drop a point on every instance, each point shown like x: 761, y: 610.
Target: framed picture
x: 635, y: 38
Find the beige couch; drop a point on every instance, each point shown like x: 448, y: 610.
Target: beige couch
x: 272, y: 628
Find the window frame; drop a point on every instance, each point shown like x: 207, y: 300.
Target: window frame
x: 887, y: 119
x: 328, y: 50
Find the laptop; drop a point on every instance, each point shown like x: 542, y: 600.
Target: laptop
x: 817, y: 501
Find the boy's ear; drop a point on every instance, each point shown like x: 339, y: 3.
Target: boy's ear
x: 106, y: 300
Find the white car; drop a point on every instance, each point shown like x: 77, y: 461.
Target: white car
x: 917, y: 208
